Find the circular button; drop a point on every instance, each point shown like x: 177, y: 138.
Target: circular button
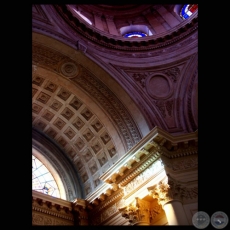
x: 219, y: 220
x: 201, y: 220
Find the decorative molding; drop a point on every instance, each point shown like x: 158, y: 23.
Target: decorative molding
x: 173, y: 73
x: 48, y: 58
x: 140, y: 212
x: 54, y: 207
x: 181, y: 164
x: 173, y: 190
x: 104, y: 209
x: 112, y: 106
x: 141, y: 178
x: 79, y: 211
x: 98, y: 37
x: 41, y: 219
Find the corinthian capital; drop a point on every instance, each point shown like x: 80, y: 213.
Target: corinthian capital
x: 172, y: 190
x: 160, y: 192
x: 137, y: 212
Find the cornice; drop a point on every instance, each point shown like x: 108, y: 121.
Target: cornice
x: 155, y: 139
x: 119, y: 43
x: 150, y: 149
x: 51, y: 205
x: 104, y: 201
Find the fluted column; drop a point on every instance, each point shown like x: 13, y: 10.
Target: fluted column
x: 169, y: 196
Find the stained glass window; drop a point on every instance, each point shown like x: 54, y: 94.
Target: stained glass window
x: 135, y: 34
x: 42, y: 180
x: 187, y: 10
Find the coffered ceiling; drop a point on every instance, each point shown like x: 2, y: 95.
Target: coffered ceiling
x: 96, y: 101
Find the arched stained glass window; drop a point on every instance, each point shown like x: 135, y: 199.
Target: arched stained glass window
x: 187, y: 10
x: 42, y: 179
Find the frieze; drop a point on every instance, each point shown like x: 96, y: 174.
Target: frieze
x: 184, y: 164
x: 109, y: 200
x: 52, y: 211
x: 156, y: 53
x: 136, y: 170
x: 180, y: 151
x: 108, y: 212
x: 142, y: 177
x: 38, y: 219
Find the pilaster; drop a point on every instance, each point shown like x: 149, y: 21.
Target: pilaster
x: 79, y: 212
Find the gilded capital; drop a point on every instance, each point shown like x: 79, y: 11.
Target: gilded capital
x: 138, y: 212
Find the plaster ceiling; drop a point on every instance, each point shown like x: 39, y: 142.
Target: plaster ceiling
x: 97, y: 101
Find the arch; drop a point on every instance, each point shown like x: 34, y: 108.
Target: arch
x: 57, y: 161
x: 45, y: 178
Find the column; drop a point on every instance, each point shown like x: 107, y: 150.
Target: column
x: 168, y: 17
x: 169, y: 195
x: 98, y: 21
x: 111, y: 25
x: 175, y: 213
x: 138, y: 212
x: 156, y: 25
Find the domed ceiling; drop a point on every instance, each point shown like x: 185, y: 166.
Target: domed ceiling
x: 95, y: 94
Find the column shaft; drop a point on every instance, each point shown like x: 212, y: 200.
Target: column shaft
x: 168, y: 17
x: 175, y: 213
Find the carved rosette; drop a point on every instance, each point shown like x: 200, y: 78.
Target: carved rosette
x: 69, y: 69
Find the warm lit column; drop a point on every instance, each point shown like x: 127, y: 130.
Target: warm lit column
x: 175, y: 213
x: 98, y: 21
x: 169, y: 198
x: 168, y: 17
x: 111, y: 25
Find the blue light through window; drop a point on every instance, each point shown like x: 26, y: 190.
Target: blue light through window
x: 135, y: 34
x: 187, y: 10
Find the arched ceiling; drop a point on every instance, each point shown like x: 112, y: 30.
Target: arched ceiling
x: 97, y: 95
